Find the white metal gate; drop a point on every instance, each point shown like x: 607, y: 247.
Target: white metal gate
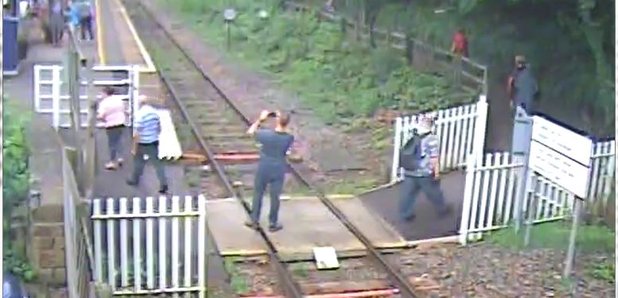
x: 491, y: 188
x: 51, y: 92
x: 461, y: 131
x: 150, y: 246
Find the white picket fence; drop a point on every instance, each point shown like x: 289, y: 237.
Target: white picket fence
x: 491, y: 187
x: 51, y: 95
x: 143, y: 249
x: 461, y: 131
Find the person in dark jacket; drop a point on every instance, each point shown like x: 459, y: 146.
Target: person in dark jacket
x: 522, y: 87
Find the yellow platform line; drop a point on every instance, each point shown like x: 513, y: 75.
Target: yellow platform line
x: 100, y: 42
x: 150, y: 67
x: 243, y: 252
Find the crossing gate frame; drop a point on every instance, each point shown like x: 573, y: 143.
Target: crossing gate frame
x: 461, y: 131
x: 56, y: 101
x: 491, y: 186
x: 493, y: 179
x: 143, y: 248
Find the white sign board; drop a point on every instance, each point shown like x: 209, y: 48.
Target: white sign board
x: 326, y: 257
x: 560, y: 155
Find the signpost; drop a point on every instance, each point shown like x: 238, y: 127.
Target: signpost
x: 562, y: 156
x: 229, y: 15
x: 520, y: 148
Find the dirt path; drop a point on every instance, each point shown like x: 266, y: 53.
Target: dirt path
x: 326, y: 149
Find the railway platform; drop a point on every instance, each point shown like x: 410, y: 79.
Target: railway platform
x: 307, y: 223
x: 117, y: 43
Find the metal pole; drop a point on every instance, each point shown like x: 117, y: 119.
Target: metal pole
x: 568, y: 263
x: 522, y: 135
x: 532, y: 210
x: 74, y: 82
x: 228, y: 35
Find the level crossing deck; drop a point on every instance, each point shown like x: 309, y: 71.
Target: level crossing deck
x: 307, y: 223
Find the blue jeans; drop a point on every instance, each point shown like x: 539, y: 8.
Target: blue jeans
x: 272, y: 176
x: 410, y: 188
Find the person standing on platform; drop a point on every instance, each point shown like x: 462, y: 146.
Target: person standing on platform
x: 275, y: 144
x: 419, y: 159
x: 522, y: 86
x: 86, y: 14
x: 112, y: 112
x: 73, y: 16
x: 56, y: 23
x: 146, y: 144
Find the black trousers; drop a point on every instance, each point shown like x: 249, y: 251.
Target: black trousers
x: 148, y: 153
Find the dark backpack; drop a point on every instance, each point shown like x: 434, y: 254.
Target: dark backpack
x: 412, y: 152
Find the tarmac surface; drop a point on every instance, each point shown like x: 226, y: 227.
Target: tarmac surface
x: 427, y: 224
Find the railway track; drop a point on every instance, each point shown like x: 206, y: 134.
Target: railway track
x: 219, y: 128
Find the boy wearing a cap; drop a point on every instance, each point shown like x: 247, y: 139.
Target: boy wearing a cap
x: 424, y: 177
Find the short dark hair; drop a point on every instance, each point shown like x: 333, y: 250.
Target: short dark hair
x: 284, y: 119
x: 108, y: 90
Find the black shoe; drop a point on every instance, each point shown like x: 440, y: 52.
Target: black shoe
x: 446, y: 211
x: 131, y: 182
x: 251, y: 224
x: 163, y: 189
x: 409, y: 218
x: 274, y: 227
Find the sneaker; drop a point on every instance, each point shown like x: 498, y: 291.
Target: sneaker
x: 163, y: 189
x: 274, y: 227
x: 120, y: 161
x: 409, y: 218
x: 251, y: 224
x: 110, y: 166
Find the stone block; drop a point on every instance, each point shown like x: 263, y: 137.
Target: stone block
x: 59, y: 277
x: 59, y: 243
x: 44, y: 275
x: 52, y: 258
x: 43, y: 243
x: 59, y: 293
x: 48, y: 214
x: 48, y: 230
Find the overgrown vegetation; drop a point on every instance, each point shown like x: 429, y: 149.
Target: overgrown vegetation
x: 591, y: 239
x: 570, y: 45
x: 15, y: 189
x: 336, y: 77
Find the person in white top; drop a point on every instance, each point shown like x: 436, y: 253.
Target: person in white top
x: 112, y: 113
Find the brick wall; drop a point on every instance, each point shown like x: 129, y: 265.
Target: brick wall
x: 47, y: 252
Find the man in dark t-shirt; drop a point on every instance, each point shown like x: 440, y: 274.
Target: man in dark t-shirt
x: 275, y: 144
x: 522, y: 86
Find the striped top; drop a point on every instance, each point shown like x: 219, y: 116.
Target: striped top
x: 147, y: 124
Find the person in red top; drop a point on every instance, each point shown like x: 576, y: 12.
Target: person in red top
x: 460, y: 43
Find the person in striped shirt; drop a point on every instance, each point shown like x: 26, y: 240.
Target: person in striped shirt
x: 146, y: 144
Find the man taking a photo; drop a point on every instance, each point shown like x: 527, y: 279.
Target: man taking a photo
x: 275, y: 144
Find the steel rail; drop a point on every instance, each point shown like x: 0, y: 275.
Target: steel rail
x: 290, y: 287
x: 396, y: 277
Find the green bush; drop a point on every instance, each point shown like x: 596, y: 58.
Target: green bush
x: 336, y: 77
x: 15, y: 189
